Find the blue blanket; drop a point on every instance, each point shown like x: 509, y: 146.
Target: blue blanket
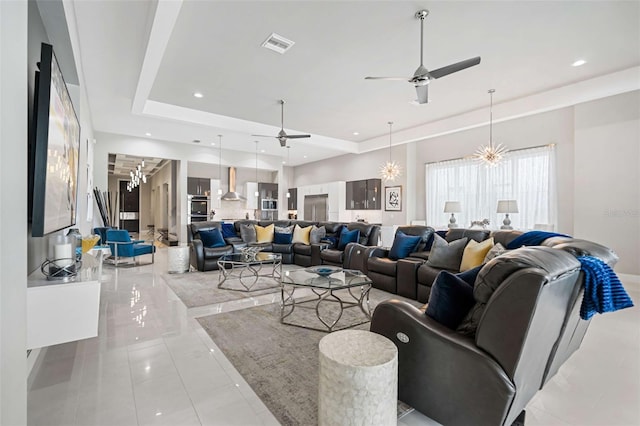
x: 603, y: 291
x: 532, y: 238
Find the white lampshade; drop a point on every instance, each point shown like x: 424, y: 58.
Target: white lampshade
x: 507, y: 206
x: 452, y: 207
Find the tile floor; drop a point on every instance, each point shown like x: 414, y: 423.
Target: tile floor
x: 152, y: 364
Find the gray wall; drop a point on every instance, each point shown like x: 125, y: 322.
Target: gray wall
x: 13, y: 205
x: 607, y: 176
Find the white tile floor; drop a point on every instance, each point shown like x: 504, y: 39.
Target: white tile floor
x: 153, y: 364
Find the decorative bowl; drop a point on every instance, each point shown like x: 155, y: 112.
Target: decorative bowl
x: 324, y: 271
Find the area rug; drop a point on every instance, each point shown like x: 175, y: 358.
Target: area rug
x: 201, y: 288
x: 279, y: 362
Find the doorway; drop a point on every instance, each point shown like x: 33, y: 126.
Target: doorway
x: 129, y: 207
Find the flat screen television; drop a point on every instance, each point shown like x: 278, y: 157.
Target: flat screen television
x: 55, y: 150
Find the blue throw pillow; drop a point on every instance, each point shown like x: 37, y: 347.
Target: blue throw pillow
x: 469, y: 276
x: 347, y: 237
x: 282, y: 238
x: 229, y: 231
x: 332, y: 241
x: 212, y: 238
x: 532, y: 238
x: 450, y: 301
x: 403, y: 244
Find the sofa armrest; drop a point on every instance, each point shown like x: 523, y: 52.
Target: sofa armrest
x: 442, y: 373
x: 407, y: 277
x: 197, y: 255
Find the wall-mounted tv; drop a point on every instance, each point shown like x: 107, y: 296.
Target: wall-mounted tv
x: 55, y: 150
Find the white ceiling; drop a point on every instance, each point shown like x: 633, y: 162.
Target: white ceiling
x: 142, y: 61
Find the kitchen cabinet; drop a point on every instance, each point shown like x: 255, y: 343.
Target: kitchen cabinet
x: 198, y: 186
x: 268, y: 190
x: 363, y: 194
x: 292, y: 201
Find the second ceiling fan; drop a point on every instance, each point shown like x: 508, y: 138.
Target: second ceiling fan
x: 422, y: 76
x: 282, y: 135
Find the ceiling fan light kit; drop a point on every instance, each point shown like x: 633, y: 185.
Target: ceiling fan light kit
x: 282, y: 135
x: 422, y: 76
x: 491, y: 154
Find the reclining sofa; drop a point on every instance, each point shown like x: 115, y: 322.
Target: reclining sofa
x: 205, y: 259
x: 524, y: 325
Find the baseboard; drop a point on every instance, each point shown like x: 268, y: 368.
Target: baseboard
x: 630, y: 280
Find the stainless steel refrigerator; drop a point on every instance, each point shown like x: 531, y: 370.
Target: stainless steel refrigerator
x: 316, y: 207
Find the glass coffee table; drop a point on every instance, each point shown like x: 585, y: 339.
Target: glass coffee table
x: 247, y: 270
x: 343, y: 290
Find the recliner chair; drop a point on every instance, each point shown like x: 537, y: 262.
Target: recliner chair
x: 524, y: 332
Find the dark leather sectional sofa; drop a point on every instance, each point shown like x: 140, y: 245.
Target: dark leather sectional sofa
x: 205, y: 259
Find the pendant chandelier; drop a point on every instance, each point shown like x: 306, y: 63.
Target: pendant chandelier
x: 390, y: 170
x: 490, y: 154
x: 137, y: 176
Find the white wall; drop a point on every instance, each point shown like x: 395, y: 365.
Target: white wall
x: 357, y: 167
x: 13, y: 211
x: 607, y: 176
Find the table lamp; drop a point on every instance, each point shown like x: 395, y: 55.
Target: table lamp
x: 452, y: 207
x: 506, y: 207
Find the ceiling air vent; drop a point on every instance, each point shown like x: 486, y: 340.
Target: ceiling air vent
x: 277, y: 43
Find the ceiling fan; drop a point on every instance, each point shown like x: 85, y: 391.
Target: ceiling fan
x: 282, y: 135
x: 422, y: 76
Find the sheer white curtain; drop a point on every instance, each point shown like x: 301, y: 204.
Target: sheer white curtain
x: 527, y: 176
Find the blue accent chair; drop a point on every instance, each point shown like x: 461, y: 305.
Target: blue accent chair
x: 102, y: 231
x: 121, y: 246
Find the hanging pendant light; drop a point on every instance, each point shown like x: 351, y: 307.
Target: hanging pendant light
x: 489, y: 154
x: 220, y: 164
x: 390, y: 170
x: 288, y: 162
x: 257, y: 194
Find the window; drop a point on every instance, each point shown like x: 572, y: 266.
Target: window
x: 526, y: 175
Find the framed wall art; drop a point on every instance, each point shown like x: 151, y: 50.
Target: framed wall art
x: 393, y: 198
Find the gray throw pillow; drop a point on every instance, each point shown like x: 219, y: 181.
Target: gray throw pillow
x: 248, y: 233
x: 284, y: 229
x: 317, y: 234
x: 495, y: 251
x: 446, y: 255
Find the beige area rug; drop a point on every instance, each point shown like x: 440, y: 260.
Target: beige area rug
x: 279, y: 362
x: 201, y: 288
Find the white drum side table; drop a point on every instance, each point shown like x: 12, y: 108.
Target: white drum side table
x: 178, y: 259
x: 358, y: 379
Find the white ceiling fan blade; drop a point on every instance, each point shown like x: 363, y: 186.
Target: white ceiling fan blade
x: 458, y: 66
x: 265, y: 136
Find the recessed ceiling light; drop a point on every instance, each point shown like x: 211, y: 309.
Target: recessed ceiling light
x: 147, y: 134
x: 198, y: 95
x: 262, y: 150
x: 213, y: 143
x: 305, y: 156
x: 578, y: 63
x: 284, y: 162
x: 356, y: 133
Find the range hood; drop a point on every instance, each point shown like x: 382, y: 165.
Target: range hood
x: 232, y: 195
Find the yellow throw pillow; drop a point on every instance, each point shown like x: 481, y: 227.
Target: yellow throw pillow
x: 301, y: 235
x: 264, y: 234
x: 474, y: 254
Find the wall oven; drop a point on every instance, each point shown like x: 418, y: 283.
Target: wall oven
x: 198, y: 206
x: 269, y: 204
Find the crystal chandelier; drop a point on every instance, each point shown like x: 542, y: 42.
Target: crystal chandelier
x: 489, y: 154
x: 390, y: 170
x: 137, y: 176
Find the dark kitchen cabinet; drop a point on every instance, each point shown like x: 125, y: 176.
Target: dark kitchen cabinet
x: 268, y: 190
x: 364, y: 194
x: 198, y: 186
